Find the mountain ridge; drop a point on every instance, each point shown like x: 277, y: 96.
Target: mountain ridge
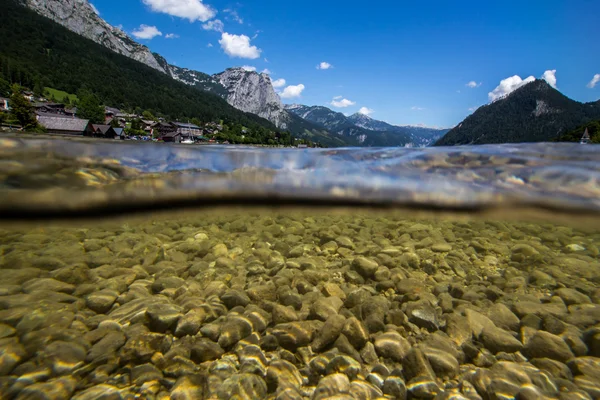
x: 532, y: 113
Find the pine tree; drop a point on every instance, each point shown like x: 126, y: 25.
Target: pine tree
x: 21, y: 109
x: 90, y: 108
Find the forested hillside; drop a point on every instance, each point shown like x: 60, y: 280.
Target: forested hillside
x: 575, y: 135
x: 36, y: 51
x: 535, y: 112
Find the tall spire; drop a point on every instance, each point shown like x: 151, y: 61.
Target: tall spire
x: 585, y: 139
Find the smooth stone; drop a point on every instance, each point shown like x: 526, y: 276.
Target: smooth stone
x: 423, y: 387
x: 163, y: 316
x: 11, y: 355
x: 243, y: 387
x: 329, y: 332
x: 99, y: 392
x: 395, y: 387
x: 498, y: 340
x: 423, y: 315
x: 205, y: 350
x: 503, y: 318
x: 56, y: 389
x: 544, y: 344
x: 416, y: 364
x: 190, y: 323
x: 325, y: 307
x: 356, y: 332
x: 589, y: 366
x: 555, y: 368
x: 282, y: 374
x: 293, y: 335
x: 102, y: 301
x: 391, y: 345
x: 233, y: 330
x: 145, y: 373
x: 332, y: 386
x: 345, y: 365
x: 52, y: 285
x: 478, y: 322
x: 444, y: 364
x: 572, y: 296
x: 282, y: 314
x: 64, y: 357
x: 365, y: 267
x: 189, y: 387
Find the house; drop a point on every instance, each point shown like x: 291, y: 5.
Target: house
x: 147, y: 125
x: 119, y: 133
x: 171, y: 137
x: 4, y: 104
x: 65, y: 125
x: 50, y: 108
x: 104, y: 131
x: 188, y: 130
x: 163, y: 128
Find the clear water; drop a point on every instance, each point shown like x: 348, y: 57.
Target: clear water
x: 156, y: 271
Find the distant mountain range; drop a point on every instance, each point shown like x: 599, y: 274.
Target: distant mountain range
x: 366, y: 130
x: 535, y: 112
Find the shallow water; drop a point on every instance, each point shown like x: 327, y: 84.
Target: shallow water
x: 483, y: 287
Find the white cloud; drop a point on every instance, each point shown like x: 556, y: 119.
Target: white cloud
x: 472, y: 109
x: 337, y: 97
x: 594, y: 80
x: 248, y: 68
x: 238, y: 46
x: 193, y: 10
x: 278, y: 83
x: 508, y: 85
x: 473, y: 84
x: 95, y: 9
x: 341, y: 103
x: 234, y: 15
x: 266, y: 71
x: 366, y: 111
x: 209, y: 45
x: 550, y: 77
x: 146, y: 32
x: 415, y: 108
x: 292, y: 91
x: 324, y: 65
x: 171, y: 36
x: 214, y: 25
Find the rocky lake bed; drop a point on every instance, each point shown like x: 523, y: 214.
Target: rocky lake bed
x: 241, y: 304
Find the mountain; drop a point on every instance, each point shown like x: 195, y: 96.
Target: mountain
x: 535, y: 112
x: 420, y: 136
x: 366, y: 130
x: 253, y: 92
x: 80, y: 17
x: 34, y: 50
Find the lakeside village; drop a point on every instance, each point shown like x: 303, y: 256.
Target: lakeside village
x: 58, y: 118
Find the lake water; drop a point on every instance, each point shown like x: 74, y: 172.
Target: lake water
x: 189, y: 272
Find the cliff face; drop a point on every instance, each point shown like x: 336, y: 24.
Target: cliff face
x: 79, y: 17
x: 253, y: 92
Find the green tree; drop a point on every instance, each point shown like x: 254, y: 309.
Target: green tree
x: 2, y: 117
x: 21, y: 109
x: 115, y: 123
x: 4, y: 87
x: 147, y: 115
x: 38, y: 89
x: 90, y: 108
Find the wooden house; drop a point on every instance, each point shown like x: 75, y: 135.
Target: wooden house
x: 65, y: 125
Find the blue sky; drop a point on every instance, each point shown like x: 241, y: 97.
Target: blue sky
x: 404, y: 62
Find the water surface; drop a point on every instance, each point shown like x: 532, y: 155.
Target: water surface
x: 156, y: 271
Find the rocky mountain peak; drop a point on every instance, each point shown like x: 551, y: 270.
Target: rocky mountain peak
x: 253, y: 92
x: 80, y: 17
